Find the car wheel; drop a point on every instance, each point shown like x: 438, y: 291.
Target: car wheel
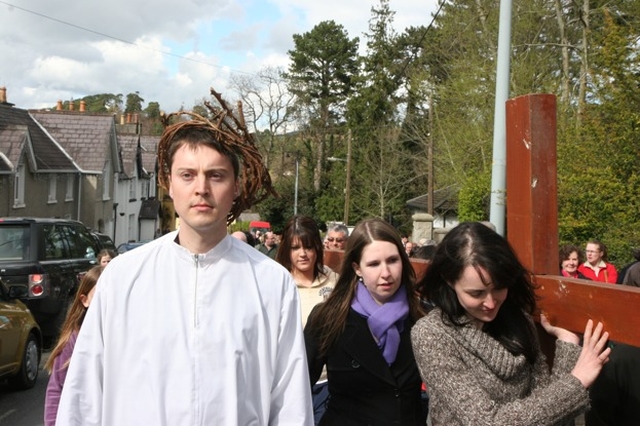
x: 26, y: 377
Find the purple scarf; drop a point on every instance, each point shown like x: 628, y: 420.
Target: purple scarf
x: 386, y: 321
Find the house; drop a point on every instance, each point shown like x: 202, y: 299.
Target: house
x: 445, y: 206
x: 90, y: 140
x: 37, y: 176
x: 79, y: 165
x: 137, y: 204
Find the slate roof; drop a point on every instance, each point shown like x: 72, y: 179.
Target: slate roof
x: 12, y: 142
x: 87, y: 137
x: 149, y: 209
x: 145, y: 159
x: 128, y: 145
x: 445, y: 199
x: 149, y: 146
x: 19, y: 131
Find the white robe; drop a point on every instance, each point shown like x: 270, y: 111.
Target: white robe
x: 173, y: 338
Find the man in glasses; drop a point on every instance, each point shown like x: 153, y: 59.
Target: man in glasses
x: 337, y: 237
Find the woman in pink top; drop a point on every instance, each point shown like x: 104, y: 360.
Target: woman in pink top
x: 58, y: 361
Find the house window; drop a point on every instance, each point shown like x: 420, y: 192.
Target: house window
x: 68, y: 195
x: 132, y: 189
x: 131, y: 231
x: 106, y: 180
x: 151, y: 185
x: 144, y: 185
x: 53, y: 188
x: 18, y: 187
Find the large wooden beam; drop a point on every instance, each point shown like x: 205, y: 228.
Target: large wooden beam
x: 532, y: 213
x: 532, y: 227
x: 570, y: 303
x: 532, y: 230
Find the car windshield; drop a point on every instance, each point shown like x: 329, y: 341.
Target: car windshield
x: 13, y: 242
x: 124, y: 247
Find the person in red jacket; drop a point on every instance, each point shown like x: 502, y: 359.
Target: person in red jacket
x: 596, y: 268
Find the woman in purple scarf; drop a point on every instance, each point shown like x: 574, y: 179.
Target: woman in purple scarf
x: 362, y: 334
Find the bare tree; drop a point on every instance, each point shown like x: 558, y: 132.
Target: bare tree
x: 383, y: 173
x: 266, y: 102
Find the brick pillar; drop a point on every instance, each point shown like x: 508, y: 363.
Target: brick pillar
x: 422, y: 227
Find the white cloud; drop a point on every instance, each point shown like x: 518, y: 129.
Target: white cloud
x: 169, y: 53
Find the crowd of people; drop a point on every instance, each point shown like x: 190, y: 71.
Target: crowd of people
x: 205, y: 327
x: 595, y: 265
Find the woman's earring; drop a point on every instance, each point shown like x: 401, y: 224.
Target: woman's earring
x: 360, y: 280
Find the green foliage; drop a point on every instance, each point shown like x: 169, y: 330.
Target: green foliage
x: 103, y: 103
x: 323, y: 64
x: 152, y: 111
x: 437, y: 84
x: 239, y: 226
x: 598, y: 162
x: 276, y: 211
x: 134, y: 103
x: 474, y: 198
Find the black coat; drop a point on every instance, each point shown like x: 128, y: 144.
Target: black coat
x: 364, y: 389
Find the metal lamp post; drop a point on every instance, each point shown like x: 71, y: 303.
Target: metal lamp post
x: 347, y: 189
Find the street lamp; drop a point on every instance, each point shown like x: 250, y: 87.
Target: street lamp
x: 295, y: 195
x: 347, y: 189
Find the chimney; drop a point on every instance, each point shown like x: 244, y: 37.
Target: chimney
x: 83, y: 106
x: 72, y: 105
x: 59, y: 105
x: 3, y: 95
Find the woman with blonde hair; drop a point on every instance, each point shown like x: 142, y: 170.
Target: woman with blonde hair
x: 58, y: 361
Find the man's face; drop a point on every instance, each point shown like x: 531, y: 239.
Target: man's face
x: 202, y: 186
x: 336, y: 240
x: 269, y: 239
x: 408, y: 247
x: 594, y: 254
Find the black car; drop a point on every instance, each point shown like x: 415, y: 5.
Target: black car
x: 48, y: 257
x: 103, y: 241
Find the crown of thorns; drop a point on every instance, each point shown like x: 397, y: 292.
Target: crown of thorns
x: 231, y: 133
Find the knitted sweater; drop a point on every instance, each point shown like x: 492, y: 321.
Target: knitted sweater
x: 473, y: 380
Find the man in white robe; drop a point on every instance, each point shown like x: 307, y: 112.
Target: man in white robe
x: 196, y: 327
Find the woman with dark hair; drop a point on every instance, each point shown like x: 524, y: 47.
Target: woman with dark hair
x: 478, y: 350
x: 301, y: 252
x: 362, y: 333
x: 570, y: 258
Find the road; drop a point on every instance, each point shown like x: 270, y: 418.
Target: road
x: 24, y: 408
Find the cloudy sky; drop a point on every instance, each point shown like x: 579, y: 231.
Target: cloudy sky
x: 170, y: 52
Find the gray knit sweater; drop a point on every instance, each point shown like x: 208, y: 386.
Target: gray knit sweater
x: 473, y: 380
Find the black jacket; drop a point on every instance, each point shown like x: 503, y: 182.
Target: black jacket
x: 364, y: 389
